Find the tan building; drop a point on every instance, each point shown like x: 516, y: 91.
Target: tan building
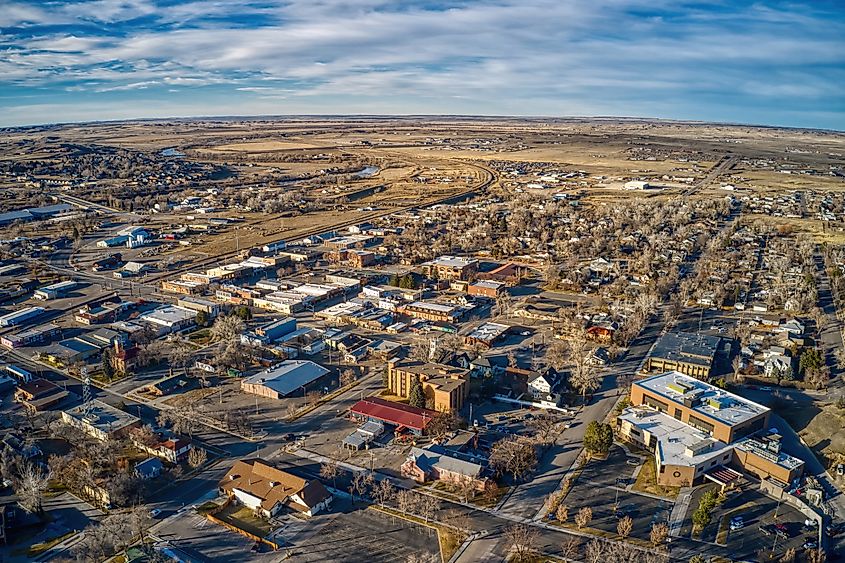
x: 435, y: 312
x: 699, y: 431
x: 445, y: 387
x: 451, y: 268
x: 686, y: 352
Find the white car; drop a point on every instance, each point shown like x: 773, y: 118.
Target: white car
x: 154, y: 513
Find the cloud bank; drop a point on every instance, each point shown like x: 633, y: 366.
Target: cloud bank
x: 778, y: 63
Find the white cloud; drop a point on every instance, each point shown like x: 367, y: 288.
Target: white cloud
x: 605, y: 54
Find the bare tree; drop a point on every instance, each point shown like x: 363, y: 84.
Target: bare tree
x: 570, y: 549
x: 624, y: 526
x: 383, y: 492
x: 427, y: 506
x: 816, y: 556
x: 330, y: 469
x: 407, y: 501
x: 347, y: 377
x: 227, y: 328
x: 32, y: 484
x: 584, y: 517
x: 513, y: 455
x: 595, y: 551
x: 359, y: 484
x: 522, y: 540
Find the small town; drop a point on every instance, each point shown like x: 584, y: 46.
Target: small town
x: 454, y: 281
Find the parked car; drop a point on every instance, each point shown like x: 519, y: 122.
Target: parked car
x: 155, y: 512
x: 810, y: 545
x: 737, y: 523
x: 767, y: 529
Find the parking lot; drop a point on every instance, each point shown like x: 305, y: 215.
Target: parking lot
x: 602, y: 483
x: 756, y: 510
x: 341, y: 534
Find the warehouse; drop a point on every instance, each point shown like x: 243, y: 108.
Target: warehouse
x: 287, y: 378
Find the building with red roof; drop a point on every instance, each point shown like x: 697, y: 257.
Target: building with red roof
x: 400, y: 415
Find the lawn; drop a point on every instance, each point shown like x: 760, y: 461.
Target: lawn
x: 647, y: 482
x: 245, y: 519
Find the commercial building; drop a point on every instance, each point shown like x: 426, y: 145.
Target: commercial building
x: 400, y: 416
x: 445, y: 387
x: 101, y: 420
x: 451, y: 268
x: 509, y: 274
x: 487, y: 334
x: 39, y: 394
x: 696, y: 429
x: 33, y: 336
x: 55, y: 290
x: 291, y: 376
x: 435, y: 312
x: 486, y: 288
x: 22, y: 316
x: 266, y: 490
x: 686, y: 352
x: 170, y: 318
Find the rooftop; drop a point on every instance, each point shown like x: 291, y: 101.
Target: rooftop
x: 289, y: 376
x: 398, y: 414
x: 767, y: 446
x: 102, y: 416
x: 703, y: 398
x: 453, y: 262
x: 686, y: 347
x: 680, y: 443
x: 488, y: 331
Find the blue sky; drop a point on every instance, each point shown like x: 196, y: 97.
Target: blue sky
x: 771, y: 63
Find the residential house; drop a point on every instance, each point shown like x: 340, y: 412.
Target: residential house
x: 261, y: 487
x: 436, y: 463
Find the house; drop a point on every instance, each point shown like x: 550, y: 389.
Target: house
x: 150, y: 468
x: 487, y: 334
x: 263, y: 488
x: 600, y: 333
x: 437, y: 463
x: 174, y: 449
x: 541, y: 384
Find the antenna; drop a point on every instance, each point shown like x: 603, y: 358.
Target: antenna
x: 86, y: 391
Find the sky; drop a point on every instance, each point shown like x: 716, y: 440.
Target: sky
x: 766, y: 62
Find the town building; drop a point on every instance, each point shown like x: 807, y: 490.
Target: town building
x: 39, y: 394
x: 486, y: 288
x: 101, y: 420
x: 22, y: 316
x: 686, y: 352
x: 30, y: 337
x: 445, y: 387
x: 451, y: 268
x: 261, y: 487
x: 170, y: 318
x: 437, y: 463
x: 435, y: 312
x: 55, y: 290
x: 487, y: 334
x: 400, y: 416
x: 696, y: 430
x: 287, y: 378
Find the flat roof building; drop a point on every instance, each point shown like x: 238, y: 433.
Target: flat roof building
x: 686, y: 352
x: 696, y: 429
x: 100, y: 420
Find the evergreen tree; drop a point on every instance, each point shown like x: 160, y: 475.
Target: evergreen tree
x: 417, y: 396
x: 108, y: 369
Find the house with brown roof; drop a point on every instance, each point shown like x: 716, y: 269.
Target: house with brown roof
x: 266, y: 490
